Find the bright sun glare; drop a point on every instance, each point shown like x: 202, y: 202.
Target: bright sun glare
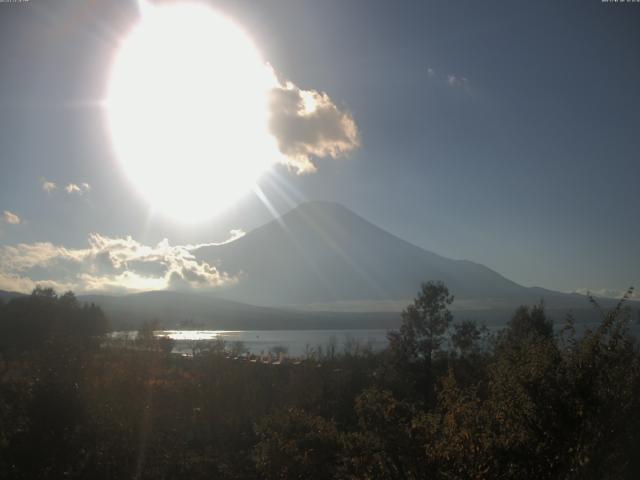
x: 188, y: 110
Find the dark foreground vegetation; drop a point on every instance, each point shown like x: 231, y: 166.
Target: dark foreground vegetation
x: 445, y: 401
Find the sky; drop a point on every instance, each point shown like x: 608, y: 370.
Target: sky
x: 506, y: 133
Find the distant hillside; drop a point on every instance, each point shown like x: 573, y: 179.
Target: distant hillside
x: 173, y: 308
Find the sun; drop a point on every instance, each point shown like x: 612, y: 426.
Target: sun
x: 187, y: 108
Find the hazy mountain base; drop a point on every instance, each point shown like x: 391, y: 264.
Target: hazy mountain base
x: 179, y: 310
x: 175, y: 309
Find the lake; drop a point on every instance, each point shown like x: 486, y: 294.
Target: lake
x: 296, y: 343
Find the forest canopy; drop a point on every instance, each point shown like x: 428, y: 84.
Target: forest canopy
x: 447, y: 399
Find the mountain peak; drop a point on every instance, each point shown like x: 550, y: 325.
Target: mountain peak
x: 321, y: 252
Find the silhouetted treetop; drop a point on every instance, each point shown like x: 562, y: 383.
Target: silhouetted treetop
x: 44, y: 317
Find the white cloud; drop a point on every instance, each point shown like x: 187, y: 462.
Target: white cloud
x: 108, y: 265
x: 308, y: 125
x: 451, y: 80
x: 10, y: 218
x: 48, y: 186
x: 234, y: 235
x: 457, y: 81
x: 71, y: 188
x: 75, y: 189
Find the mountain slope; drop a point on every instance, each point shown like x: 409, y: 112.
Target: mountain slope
x: 321, y: 252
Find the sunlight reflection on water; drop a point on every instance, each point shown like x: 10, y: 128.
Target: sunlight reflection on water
x: 197, y: 334
x: 295, y: 343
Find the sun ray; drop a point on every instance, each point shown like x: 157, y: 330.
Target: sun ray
x: 299, y: 247
x: 279, y: 185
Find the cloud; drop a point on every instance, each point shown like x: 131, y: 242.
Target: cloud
x: 71, y: 188
x: 11, y: 218
x: 48, y: 186
x: 456, y: 81
x: 450, y: 79
x: 117, y: 265
x: 308, y: 125
x: 234, y: 235
x: 77, y: 189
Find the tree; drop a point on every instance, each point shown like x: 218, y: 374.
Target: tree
x: 424, y: 324
x: 238, y: 348
x: 383, y: 446
x: 46, y: 319
x: 166, y: 344
x: 146, y: 334
x: 527, y: 322
x: 467, y: 337
x: 295, y: 444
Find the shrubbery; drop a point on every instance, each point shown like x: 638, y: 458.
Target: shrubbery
x: 446, y: 400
